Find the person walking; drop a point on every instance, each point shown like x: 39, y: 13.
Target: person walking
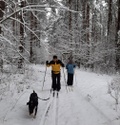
x: 70, y: 72
x: 55, y: 63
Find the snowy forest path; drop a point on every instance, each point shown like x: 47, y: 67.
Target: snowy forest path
x: 86, y: 104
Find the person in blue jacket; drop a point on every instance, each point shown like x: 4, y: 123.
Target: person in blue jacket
x: 70, y: 71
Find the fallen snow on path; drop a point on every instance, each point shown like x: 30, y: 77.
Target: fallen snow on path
x: 88, y: 103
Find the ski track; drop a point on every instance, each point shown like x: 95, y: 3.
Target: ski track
x: 46, y: 112
x: 52, y: 117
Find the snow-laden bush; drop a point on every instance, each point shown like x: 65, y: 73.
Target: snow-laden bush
x: 114, y: 89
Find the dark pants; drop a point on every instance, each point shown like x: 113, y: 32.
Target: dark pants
x: 56, y: 82
x: 70, y: 79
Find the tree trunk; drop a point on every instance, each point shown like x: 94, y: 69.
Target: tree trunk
x: 70, y: 15
x: 31, y: 40
x: 83, y: 15
x: 33, y: 26
x: 21, y: 49
x: 2, y: 8
x: 117, y: 38
x: 109, y: 16
x: 87, y: 22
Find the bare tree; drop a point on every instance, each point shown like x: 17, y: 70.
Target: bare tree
x: 2, y: 8
x: 114, y: 90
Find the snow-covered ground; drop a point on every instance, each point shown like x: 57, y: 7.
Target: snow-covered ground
x: 88, y: 103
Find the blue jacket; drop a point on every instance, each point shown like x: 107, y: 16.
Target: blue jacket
x: 70, y: 68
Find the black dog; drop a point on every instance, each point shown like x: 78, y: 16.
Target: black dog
x: 33, y: 103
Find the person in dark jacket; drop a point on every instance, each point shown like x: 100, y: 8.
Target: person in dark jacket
x: 33, y: 103
x: 70, y: 72
x: 55, y: 64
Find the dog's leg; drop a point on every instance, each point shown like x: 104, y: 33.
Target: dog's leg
x: 31, y: 109
x: 35, y: 111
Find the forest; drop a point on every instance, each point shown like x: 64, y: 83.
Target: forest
x: 86, y: 30
x: 32, y: 32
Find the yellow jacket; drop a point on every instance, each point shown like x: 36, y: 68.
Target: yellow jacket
x: 55, y: 66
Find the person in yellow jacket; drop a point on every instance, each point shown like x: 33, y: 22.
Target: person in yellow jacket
x: 55, y: 64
